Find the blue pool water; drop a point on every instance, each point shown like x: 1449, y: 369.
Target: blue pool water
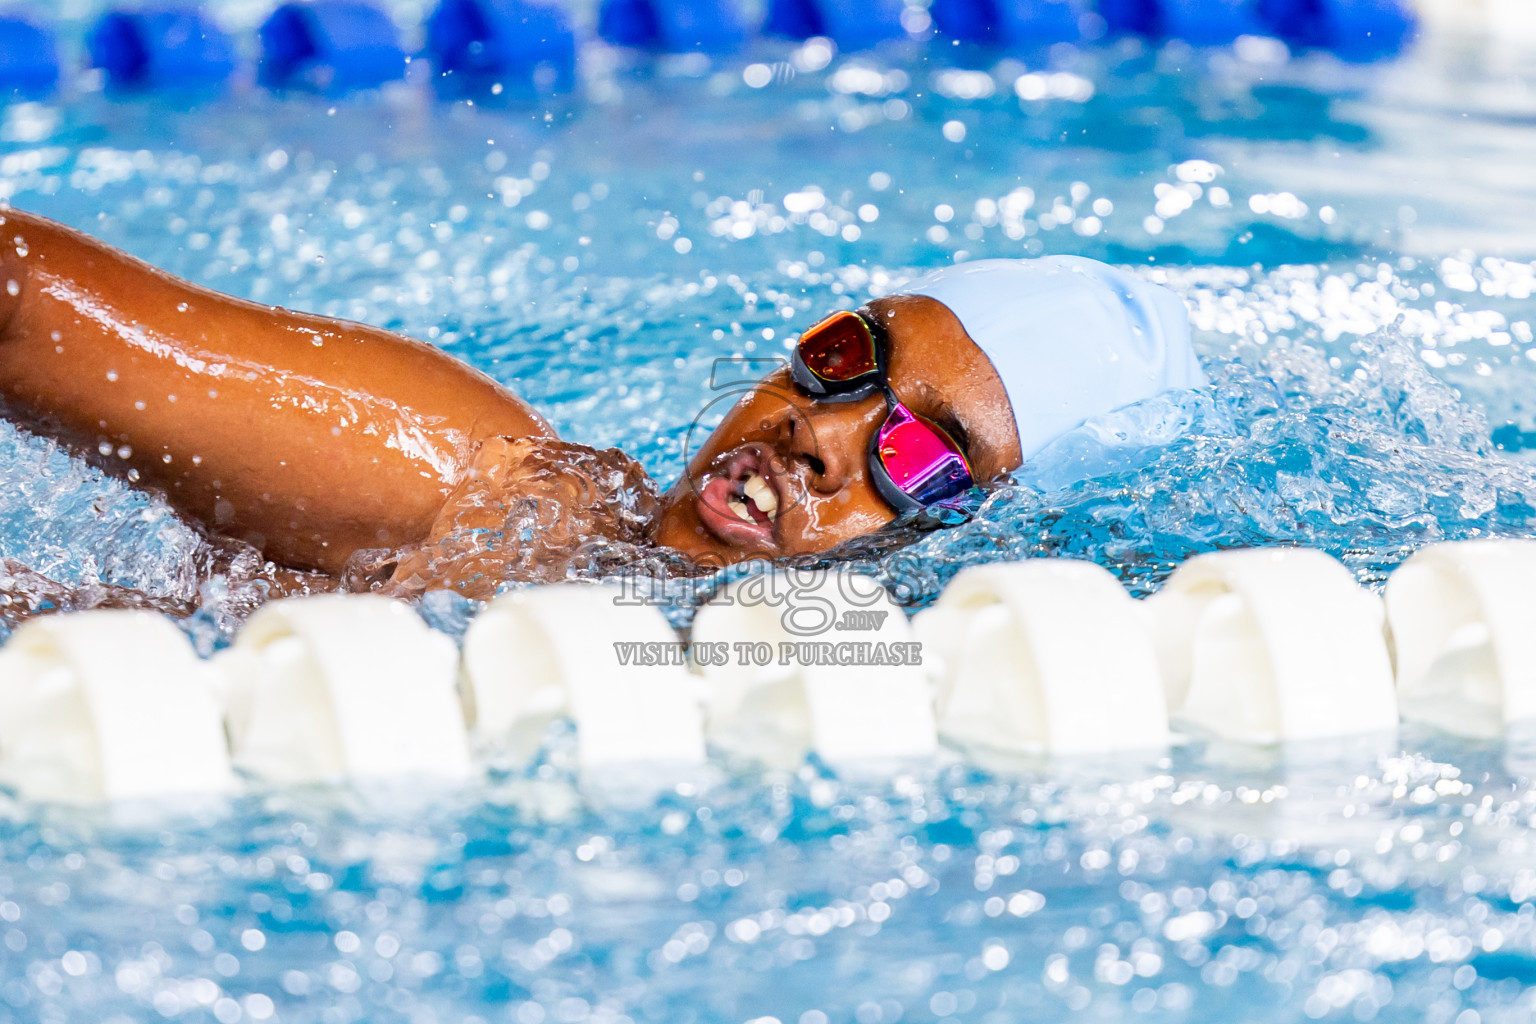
x: 1357, y: 245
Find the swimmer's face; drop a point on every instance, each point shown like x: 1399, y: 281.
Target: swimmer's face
x: 787, y: 475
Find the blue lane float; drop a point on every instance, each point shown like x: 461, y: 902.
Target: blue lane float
x: 1359, y: 30
x: 1209, y: 22
x: 511, y: 42
x: 331, y: 46
x: 672, y: 26
x: 851, y: 24
x: 29, y: 57
x: 1009, y: 22
x: 161, y: 47
x: 335, y: 46
x: 1132, y: 17
x: 1199, y: 22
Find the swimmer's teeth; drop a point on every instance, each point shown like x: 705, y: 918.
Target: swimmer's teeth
x: 739, y: 507
x: 762, y: 495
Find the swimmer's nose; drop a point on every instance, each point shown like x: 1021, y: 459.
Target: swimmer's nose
x: 829, y: 440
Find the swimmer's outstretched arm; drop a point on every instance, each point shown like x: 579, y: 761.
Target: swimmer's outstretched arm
x: 307, y: 437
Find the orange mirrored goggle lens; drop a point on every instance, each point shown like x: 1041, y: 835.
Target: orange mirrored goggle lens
x: 839, y: 349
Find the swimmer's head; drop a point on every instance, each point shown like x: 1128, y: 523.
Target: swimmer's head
x: 1003, y: 356
x: 789, y: 474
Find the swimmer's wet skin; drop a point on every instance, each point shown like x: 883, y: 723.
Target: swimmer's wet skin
x: 315, y: 439
x: 306, y: 436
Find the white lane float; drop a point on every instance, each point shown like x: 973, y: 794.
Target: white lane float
x: 596, y: 653
x: 1045, y: 655
x: 342, y: 687
x: 1273, y: 644
x: 1463, y: 619
x: 108, y: 705
x: 800, y: 659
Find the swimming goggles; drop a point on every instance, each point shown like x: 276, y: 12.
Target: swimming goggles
x: 913, y: 461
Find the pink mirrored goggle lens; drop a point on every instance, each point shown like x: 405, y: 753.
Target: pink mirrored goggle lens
x: 921, y: 459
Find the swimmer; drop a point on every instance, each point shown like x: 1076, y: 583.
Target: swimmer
x: 343, y: 451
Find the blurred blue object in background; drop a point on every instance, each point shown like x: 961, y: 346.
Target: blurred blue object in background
x: 1132, y: 17
x: 331, y: 46
x: 851, y: 24
x: 1008, y: 22
x: 629, y: 23
x: 673, y: 26
x: 1359, y: 30
x: 29, y: 56
x: 167, y: 46
x: 1209, y: 22
x: 512, y: 42
x: 969, y: 21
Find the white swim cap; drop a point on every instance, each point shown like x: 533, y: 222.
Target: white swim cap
x: 1071, y: 338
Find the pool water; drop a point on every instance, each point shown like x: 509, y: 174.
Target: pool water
x: 1357, y: 247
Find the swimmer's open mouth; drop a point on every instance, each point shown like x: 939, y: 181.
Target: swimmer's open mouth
x: 741, y: 498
